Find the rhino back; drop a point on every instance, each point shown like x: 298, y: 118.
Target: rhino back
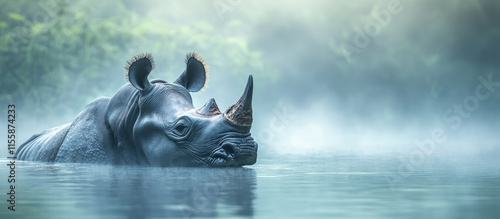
x: 88, y: 139
x: 43, y: 146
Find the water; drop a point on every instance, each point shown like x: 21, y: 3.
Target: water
x: 277, y: 187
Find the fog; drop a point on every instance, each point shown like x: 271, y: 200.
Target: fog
x: 331, y: 77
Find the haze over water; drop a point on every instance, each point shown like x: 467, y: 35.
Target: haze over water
x: 362, y: 109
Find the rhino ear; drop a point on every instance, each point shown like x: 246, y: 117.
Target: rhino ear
x: 195, y: 75
x: 138, y: 69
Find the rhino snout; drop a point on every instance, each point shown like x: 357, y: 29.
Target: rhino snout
x: 235, y: 154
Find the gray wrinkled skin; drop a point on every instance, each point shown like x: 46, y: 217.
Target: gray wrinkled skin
x: 152, y: 123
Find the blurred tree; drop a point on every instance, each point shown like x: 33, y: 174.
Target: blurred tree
x: 57, y: 56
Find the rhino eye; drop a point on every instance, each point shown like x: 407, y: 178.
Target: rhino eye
x: 181, y: 128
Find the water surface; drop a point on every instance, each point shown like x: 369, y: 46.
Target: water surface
x: 277, y: 187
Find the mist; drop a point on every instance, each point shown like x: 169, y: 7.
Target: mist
x: 331, y: 77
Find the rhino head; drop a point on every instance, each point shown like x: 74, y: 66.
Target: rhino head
x: 161, y: 127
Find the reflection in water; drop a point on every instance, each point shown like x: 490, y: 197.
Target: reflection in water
x: 277, y: 187
x: 143, y: 192
x: 180, y: 192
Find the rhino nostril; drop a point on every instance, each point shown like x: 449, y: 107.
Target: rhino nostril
x: 229, y: 149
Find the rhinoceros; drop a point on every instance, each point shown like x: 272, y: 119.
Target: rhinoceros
x: 153, y: 123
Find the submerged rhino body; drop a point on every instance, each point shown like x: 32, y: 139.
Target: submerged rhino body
x: 152, y: 123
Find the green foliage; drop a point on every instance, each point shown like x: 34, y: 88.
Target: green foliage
x: 57, y: 57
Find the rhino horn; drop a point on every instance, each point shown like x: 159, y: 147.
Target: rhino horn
x: 241, y: 112
x: 210, y: 108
